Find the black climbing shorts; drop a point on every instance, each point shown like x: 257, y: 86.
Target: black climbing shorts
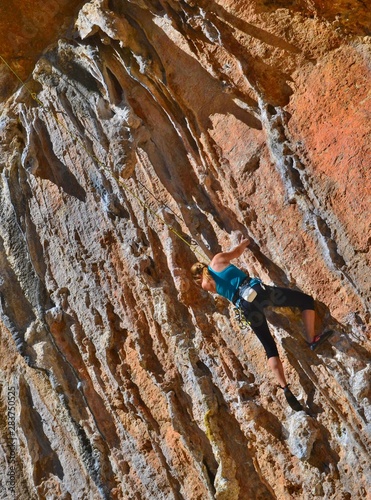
x: 276, y: 297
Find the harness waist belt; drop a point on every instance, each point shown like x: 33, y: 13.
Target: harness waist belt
x: 248, y: 290
x: 236, y: 296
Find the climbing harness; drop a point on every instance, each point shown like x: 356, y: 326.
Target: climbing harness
x: 192, y: 245
x: 248, y: 290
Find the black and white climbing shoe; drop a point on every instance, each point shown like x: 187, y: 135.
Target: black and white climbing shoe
x: 291, y: 399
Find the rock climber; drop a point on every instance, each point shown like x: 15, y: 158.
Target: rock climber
x: 252, y: 296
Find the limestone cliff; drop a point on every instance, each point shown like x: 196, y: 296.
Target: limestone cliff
x: 148, y: 134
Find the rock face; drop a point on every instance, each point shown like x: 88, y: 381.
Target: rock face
x: 149, y: 135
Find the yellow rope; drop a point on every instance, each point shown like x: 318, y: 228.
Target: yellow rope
x: 101, y: 164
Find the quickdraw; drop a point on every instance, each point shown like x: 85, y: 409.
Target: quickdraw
x: 240, y: 318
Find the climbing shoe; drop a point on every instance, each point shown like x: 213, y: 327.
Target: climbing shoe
x: 319, y: 339
x: 291, y: 399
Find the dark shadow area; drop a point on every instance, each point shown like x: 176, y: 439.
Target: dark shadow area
x: 211, y: 95
x: 146, y: 352
x: 313, y: 408
x: 323, y: 457
x: 270, y: 423
x: 250, y: 29
x: 15, y: 310
x: 45, y: 460
x: 76, y: 72
x: 20, y: 194
x: 47, y: 165
x: 183, y: 420
x: 302, y: 359
x: 264, y: 79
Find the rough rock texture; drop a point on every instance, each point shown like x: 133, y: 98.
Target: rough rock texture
x: 151, y: 120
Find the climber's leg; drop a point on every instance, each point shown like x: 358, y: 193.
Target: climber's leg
x: 275, y: 364
x: 255, y: 316
x: 309, y: 317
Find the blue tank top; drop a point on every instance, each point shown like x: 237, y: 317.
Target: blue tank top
x: 228, y: 280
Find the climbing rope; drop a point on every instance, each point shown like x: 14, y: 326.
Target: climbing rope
x: 155, y: 198
x: 239, y: 316
x: 103, y: 166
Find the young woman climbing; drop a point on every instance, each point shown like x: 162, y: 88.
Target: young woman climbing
x: 252, y: 296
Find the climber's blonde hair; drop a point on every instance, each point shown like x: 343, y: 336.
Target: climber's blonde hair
x: 199, y: 272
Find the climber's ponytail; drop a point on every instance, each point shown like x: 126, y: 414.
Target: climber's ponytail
x: 200, y: 272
